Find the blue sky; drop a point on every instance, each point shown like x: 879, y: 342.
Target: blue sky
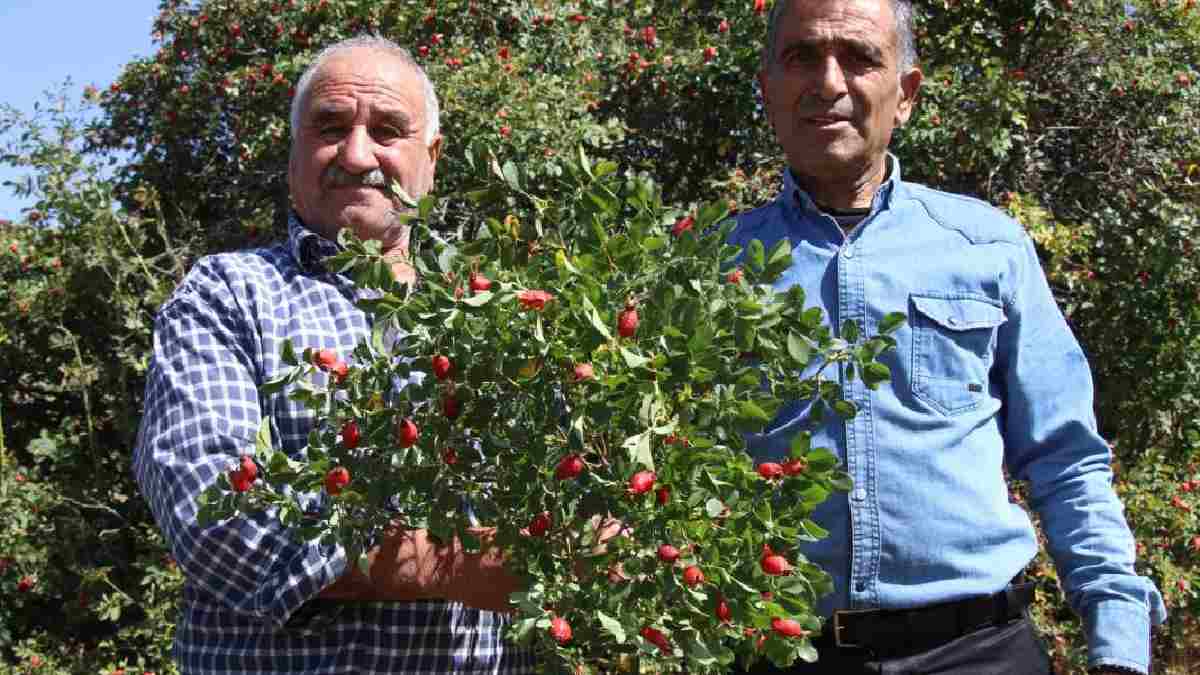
x: 42, y: 42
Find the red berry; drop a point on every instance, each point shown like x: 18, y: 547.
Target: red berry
x: 722, y: 610
x: 682, y: 225
x: 656, y: 638
x: 723, y: 27
x: 627, y: 321
x: 441, y: 367
x: 560, y: 630
x: 770, y: 470
x: 650, y: 35
x: 734, y: 277
x: 480, y: 283
x: 244, y: 476
x: 540, y: 525
x: 337, y: 478
x: 450, y: 456
x: 662, y: 495
x: 710, y: 53
x: 787, y: 627
x: 794, y: 467
x: 584, y: 372
x: 693, y: 576
x: 534, y: 299
x: 668, y: 553
x: 324, y: 358
x: 760, y: 6
x: 641, y: 482
x: 26, y: 584
x: 505, y: 131
x: 350, y: 435
x: 423, y: 50
x: 451, y: 407
x: 569, y: 467
x: 406, y: 433
x: 775, y: 565
x: 340, y: 370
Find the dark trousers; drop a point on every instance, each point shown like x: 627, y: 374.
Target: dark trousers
x: 1010, y: 649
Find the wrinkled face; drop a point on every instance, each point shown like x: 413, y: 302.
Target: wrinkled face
x: 833, y: 89
x: 364, y: 111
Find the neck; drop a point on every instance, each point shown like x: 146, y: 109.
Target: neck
x: 396, y: 254
x: 854, y: 191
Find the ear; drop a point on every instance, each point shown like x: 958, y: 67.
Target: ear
x: 435, y: 150
x: 763, y: 80
x: 910, y: 86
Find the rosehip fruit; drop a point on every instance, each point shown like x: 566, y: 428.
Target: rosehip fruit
x: 244, y: 476
x: 627, y: 321
x: 770, y: 470
x: 337, y: 478
x: 775, y: 565
x: 406, y: 433
x: 641, y: 482
x: 560, y: 630
x: 480, y: 283
x: 441, y: 367
x: 584, y: 372
x: 734, y: 277
x: 350, y: 435
x: 662, y: 495
x: 693, y: 576
x: 25, y: 584
x: 324, y: 358
x: 795, y: 467
x: 656, y: 638
x: 722, y: 611
x: 451, y: 407
x: 683, y: 225
x: 540, y: 525
x: 569, y: 467
x: 787, y: 627
x: 668, y: 553
x: 450, y: 456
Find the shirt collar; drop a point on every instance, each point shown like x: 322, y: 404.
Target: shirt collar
x: 307, y: 247
x: 882, y: 200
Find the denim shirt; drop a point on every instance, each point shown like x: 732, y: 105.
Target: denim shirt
x: 986, y: 379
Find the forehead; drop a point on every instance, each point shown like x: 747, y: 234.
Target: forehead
x: 866, y: 21
x: 346, y: 80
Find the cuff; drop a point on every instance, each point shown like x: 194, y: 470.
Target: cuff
x: 1118, y: 634
x: 309, y: 569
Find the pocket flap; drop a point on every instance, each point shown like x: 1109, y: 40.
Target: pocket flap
x: 959, y: 313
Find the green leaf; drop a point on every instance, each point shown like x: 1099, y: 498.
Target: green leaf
x: 632, y: 359
x: 821, y: 460
x: 749, y: 410
x: 845, y: 408
x: 594, y: 317
x: 538, y: 334
x: 288, y: 355
x: 756, y: 256
x: 799, y: 349
x: 875, y: 373
x: 479, y: 299
x: 850, y: 331
x: 511, y: 175
x: 262, y: 445
x: 612, y: 627
x: 892, y: 322
x: 639, y: 449
x: 801, y: 444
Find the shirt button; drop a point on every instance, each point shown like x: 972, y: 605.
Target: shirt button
x: 859, y: 494
x: 860, y: 586
x: 848, y: 251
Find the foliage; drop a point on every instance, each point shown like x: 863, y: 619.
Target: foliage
x: 1079, y: 116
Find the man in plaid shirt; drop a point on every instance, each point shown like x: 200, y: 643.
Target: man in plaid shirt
x: 256, y: 600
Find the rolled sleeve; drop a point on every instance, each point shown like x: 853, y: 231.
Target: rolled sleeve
x: 202, y: 412
x: 1052, y: 442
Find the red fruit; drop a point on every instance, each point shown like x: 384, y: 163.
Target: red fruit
x: 406, y: 433
x: 662, y: 495
x: 503, y: 53
x: 340, y: 370
x: 734, y: 277
x: 450, y: 456
x: 650, y: 35
x: 423, y: 50
x: 683, y: 225
x: 787, y: 627
x: 795, y: 467
x: 723, y: 27
x: 26, y: 584
x: 668, y: 553
x: 579, y: 18
x: 480, y: 283
x: 693, y: 576
x: 350, y: 435
x: 451, y: 408
x: 235, y: 30
x: 584, y: 372
x: 569, y: 467
x: 324, y: 358
x: 760, y: 6
x: 724, y: 614
x: 775, y: 565
x: 540, y: 525
x: 436, y: 39
x: 337, y: 478
x: 12, y: 248
x: 770, y: 470
x: 710, y: 53
x: 534, y: 299
x: 244, y: 476
x: 505, y: 131
x: 1196, y: 544
x: 656, y: 638
x: 627, y: 321
x: 441, y: 367
x: 560, y: 630
x: 641, y: 482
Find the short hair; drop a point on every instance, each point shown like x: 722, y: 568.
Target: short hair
x: 906, y: 43
x: 380, y: 44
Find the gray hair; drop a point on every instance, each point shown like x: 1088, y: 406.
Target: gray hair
x: 379, y: 44
x: 906, y: 43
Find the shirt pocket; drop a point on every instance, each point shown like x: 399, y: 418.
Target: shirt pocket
x: 953, y: 342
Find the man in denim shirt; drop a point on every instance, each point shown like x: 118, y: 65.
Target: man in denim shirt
x: 986, y: 377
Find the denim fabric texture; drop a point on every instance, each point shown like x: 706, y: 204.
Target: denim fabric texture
x: 987, y: 379
x: 216, y: 340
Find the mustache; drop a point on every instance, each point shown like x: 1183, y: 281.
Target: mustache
x: 336, y: 176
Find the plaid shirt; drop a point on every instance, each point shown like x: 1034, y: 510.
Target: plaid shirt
x: 249, y: 598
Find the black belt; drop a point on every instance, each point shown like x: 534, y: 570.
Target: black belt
x: 892, y: 631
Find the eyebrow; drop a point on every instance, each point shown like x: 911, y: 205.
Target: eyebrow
x: 327, y: 113
x: 861, y: 46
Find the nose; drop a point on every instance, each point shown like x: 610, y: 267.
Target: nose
x: 356, y: 153
x: 830, y: 80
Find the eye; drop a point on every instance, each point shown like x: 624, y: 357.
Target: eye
x: 332, y: 131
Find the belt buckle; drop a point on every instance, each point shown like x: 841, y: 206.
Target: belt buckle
x: 838, y: 627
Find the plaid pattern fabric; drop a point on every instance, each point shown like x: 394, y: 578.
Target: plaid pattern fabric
x: 215, y: 341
